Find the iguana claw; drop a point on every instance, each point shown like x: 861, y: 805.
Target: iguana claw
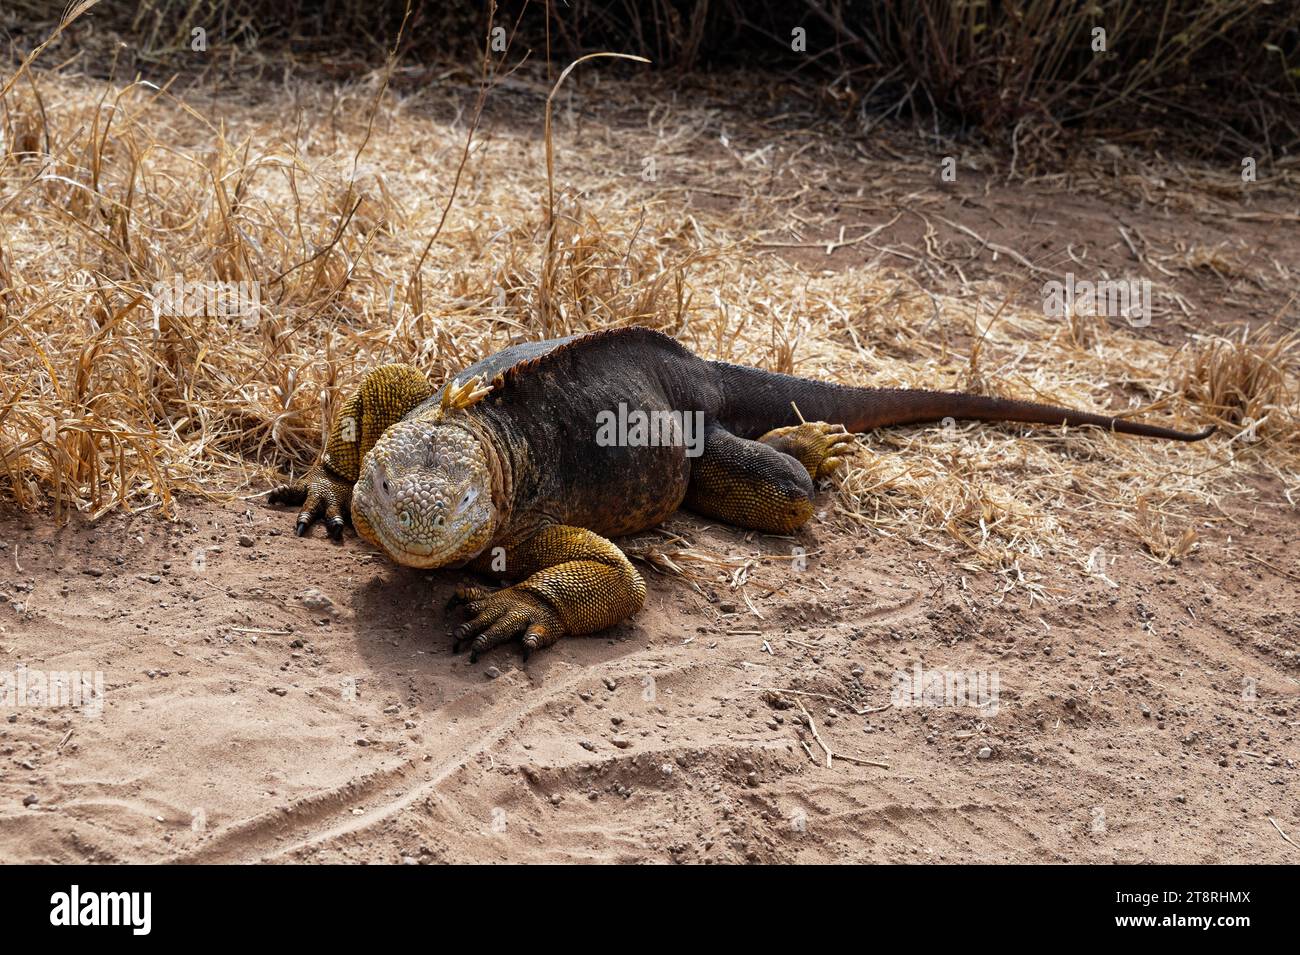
x: 322, y: 496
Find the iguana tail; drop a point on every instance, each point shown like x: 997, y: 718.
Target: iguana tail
x: 757, y: 401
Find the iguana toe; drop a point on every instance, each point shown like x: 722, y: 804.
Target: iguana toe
x: 293, y: 494
x: 538, y: 637
x: 464, y: 594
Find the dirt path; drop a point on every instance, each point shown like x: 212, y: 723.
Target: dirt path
x: 239, y: 724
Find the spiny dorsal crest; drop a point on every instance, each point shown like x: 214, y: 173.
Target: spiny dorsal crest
x: 457, y: 396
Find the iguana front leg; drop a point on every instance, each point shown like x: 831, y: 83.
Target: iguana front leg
x: 575, y: 582
x: 384, y: 398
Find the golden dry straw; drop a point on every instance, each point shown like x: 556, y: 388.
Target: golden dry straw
x: 188, y: 290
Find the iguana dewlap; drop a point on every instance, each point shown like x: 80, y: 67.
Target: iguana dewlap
x: 514, y: 468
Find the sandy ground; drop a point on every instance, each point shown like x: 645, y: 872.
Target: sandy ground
x: 242, y: 721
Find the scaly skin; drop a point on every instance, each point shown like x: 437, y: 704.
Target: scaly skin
x: 766, y: 484
x: 519, y: 483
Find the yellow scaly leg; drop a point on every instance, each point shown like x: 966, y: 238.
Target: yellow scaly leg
x: 575, y: 582
x: 384, y: 398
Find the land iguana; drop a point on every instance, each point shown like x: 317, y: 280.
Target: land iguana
x: 504, y: 471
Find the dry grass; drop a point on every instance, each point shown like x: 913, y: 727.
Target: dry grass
x: 328, y: 201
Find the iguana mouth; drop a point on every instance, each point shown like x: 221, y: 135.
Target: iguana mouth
x: 409, y: 554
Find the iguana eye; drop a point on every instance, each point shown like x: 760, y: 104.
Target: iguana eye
x: 469, y: 497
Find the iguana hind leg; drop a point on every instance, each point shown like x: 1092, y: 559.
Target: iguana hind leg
x: 575, y: 582
x: 766, y: 485
x: 384, y: 398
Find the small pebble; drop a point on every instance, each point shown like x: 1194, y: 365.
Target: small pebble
x: 315, y: 600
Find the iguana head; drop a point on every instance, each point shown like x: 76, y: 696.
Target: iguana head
x: 424, y: 495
